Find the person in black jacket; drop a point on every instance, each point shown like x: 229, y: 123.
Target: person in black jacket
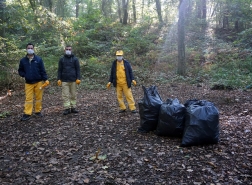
x: 69, y: 78
x: 121, y: 76
x: 31, y: 67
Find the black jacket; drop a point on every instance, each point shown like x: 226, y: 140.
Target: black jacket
x: 128, y: 71
x: 33, y: 71
x: 69, y: 69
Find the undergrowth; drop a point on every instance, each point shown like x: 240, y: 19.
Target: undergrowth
x: 235, y: 74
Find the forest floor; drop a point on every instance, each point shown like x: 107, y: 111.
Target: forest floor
x: 58, y: 149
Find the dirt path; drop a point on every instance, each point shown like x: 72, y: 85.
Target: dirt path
x: 56, y: 149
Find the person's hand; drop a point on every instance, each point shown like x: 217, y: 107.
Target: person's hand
x: 45, y: 84
x: 78, y: 81
x: 108, y: 85
x: 59, y: 82
x: 134, y: 82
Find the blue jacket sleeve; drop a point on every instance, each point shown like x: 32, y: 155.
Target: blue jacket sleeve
x: 21, y: 71
x: 43, y: 71
x: 112, y: 72
x: 130, y: 72
x: 60, y: 69
x: 77, y: 67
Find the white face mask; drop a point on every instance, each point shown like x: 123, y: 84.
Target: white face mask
x: 119, y: 58
x: 30, y: 51
x: 68, y: 52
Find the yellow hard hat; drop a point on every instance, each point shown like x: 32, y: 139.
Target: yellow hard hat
x: 119, y: 52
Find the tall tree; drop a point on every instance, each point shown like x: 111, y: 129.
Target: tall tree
x: 3, y: 47
x: 119, y: 10
x: 125, y: 11
x: 33, y: 4
x: 60, y: 8
x: 48, y: 4
x: 225, y: 20
x: 142, y: 8
x: 204, y: 9
x: 201, y: 7
x: 159, y: 11
x: 77, y: 8
x: 134, y: 10
x: 106, y: 7
x: 89, y: 6
x: 2, y: 17
x: 181, y: 38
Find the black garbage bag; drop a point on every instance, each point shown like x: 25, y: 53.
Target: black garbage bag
x: 201, y: 124
x: 149, y: 109
x: 171, y: 119
x: 190, y: 102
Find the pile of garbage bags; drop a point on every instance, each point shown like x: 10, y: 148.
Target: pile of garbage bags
x: 196, y: 121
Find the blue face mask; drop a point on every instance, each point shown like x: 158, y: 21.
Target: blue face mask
x: 119, y: 58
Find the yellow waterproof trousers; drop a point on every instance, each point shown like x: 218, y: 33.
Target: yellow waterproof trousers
x: 69, y: 94
x: 124, y: 90
x: 30, y: 90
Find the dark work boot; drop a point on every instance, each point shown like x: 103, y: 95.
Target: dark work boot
x: 122, y: 110
x: 39, y: 114
x: 67, y: 111
x: 73, y: 110
x: 25, y: 117
x: 133, y: 111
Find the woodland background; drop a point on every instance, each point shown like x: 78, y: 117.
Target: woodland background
x: 189, y: 49
x: 166, y: 41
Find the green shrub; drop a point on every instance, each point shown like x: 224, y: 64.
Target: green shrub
x: 235, y: 74
x: 244, y: 38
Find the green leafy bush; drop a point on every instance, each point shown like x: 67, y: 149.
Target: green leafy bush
x: 235, y: 74
x: 244, y: 38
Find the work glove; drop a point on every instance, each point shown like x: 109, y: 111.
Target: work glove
x: 78, y: 81
x: 45, y: 84
x: 134, y: 82
x: 59, y: 82
x: 108, y: 85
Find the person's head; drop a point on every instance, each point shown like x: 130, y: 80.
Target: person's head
x: 30, y: 48
x: 119, y: 55
x: 68, y: 50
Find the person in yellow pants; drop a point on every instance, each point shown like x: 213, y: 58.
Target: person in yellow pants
x: 121, y: 76
x: 31, y: 67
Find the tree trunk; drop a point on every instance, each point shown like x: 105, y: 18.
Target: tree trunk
x: 89, y: 6
x: 50, y: 5
x: 33, y: 5
x: 77, y: 5
x: 2, y: 17
x: 188, y: 9
x: 236, y: 25
x: 198, y: 5
x: 4, y: 48
x: 119, y: 11
x: 142, y: 9
x: 225, y: 22
x: 181, y: 38
x: 60, y: 10
x: 159, y: 11
x: 125, y: 11
x: 105, y: 7
x: 201, y: 9
x: 204, y: 9
x: 47, y: 3
x: 134, y: 10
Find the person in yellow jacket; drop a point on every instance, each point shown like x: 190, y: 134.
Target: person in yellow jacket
x: 31, y: 67
x: 121, y: 76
